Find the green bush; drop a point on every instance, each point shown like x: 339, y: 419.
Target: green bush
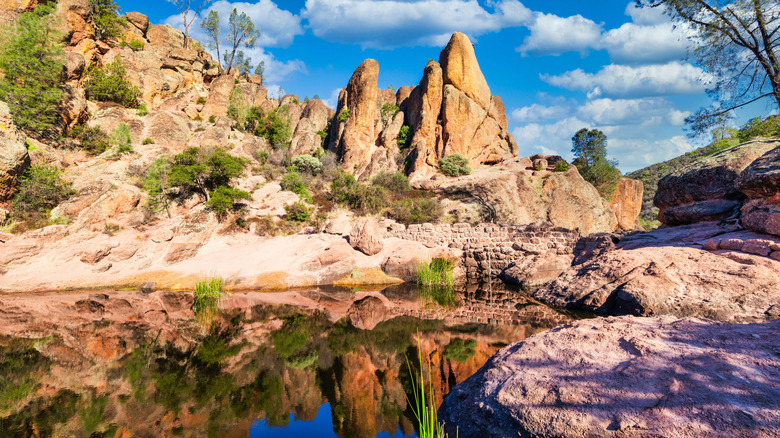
x: 561, y: 166
x: 106, y: 19
x: 307, y: 164
x: 212, y: 119
x: 223, y: 199
x: 460, y: 350
x: 93, y: 140
x: 147, y: 140
x: 41, y: 188
x: 292, y: 182
x: 602, y: 174
x: 31, y: 61
x: 454, y: 165
x: 341, y: 185
x: 136, y: 45
x: 156, y: 183
x: 201, y: 100
x: 121, y: 139
x: 388, y: 111
x: 142, y: 110
x: 404, y: 136
x: 759, y: 127
x: 395, y: 182
x: 200, y: 172
x: 416, y: 211
x: 108, y: 84
x: 344, y: 115
x: 273, y: 125
x: 298, y: 212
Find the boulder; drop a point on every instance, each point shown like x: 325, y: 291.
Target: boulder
x: 138, y: 20
x: 760, y: 182
x: 164, y: 38
x: 667, y: 271
x: 626, y: 377
x: 367, y: 236
x: 14, y: 158
x: 705, y: 189
x: 627, y: 202
x: 219, y: 97
x: 366, y: 313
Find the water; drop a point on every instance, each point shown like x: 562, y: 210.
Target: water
x: 322, y: 362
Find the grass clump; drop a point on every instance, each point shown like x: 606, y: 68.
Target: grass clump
x: 424, y: 403
x: 208, y: 292
x: 293, y: 182
x: 454, y: 165
x: 437, y: 272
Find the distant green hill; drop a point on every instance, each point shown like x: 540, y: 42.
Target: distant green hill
x: 758, y: 127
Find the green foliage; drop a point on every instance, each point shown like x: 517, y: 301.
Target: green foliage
x: 242, y: 63
x: 454, y: 165
x: 416, y: 210
x: 136, y: 45
x: 40, y: 190
x: 589, y: 145
x: 388, y: 111
x: 460, y: 350
x: 92, y: 415
x: 307, y: 164
x: 211, y: 25
x: 394, y: 182
x: 202, y: 172
x: 561, y: 166
x: 339, y: 188
x: 260, y: 71
x: 108, y: 84
x: 293, y: 182
x: 121, y: 139
x: 223, y: 199
x: 405, y: 137
x: 21, y: 369
x: 212, y: 118
x: 147, y: 140
x: 208, y: 293
x: 344, y: 115
x: 241, y: 33
x: 273, y: 125
x: 298, y: 212
x: 201, y: 100
x: 142, y: 110
x: 93, y: 140
x: 759, y: 127
x: 31, y: 64
x: 156, y: 183
x: 424, y: 406
x: 602, y: 174
x: 106, y: 19
x: 437, y: 272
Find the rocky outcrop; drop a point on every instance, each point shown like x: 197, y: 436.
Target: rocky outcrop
x: 705, y: 190
x: 626, y: 377
x: 313, y: 122
x: 512, y: 194
x: 366, y: 237
x: 14, y: 158
x: 692, y: 270
x: 627, y: 203
x: 760, y: 182
x: 450, y: 112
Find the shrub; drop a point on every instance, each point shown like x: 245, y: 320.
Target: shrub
x: 759, y: 127
x: 108, y: 84
x: 344, y: 115
x: 122, y: 139
x: 298, y: 212
x: 454, y: 165
x: 416, y: 211
x: 156, y: 183
x: 602, y: 174
x: 223, y: 199
x: 292, y: 182
x: 367, y: 199
x: 197, y: 171
x: 260, y: 155
x: 41, y: 188
x: 404, y: 136
x: 394, y: 182
x: 136, y: 45
x: 460, y: 350
x: 561, y: 166
x: 201, y: 100
x: 340, y: 187
x: 273, y: 125
x: 142, y: 110
x: 212, y: 119
x: 147, y: 140
x: 31, y: 59
x: 388, y: 111
x: 105, y: 15
x: 307, y: 163
x: 93, y: 140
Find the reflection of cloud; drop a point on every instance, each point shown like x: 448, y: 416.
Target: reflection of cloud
x: 387, y: 24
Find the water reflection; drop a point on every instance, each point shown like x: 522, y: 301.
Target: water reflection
x: 299, y: 363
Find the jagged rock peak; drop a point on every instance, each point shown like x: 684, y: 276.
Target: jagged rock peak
x: 461, y: 69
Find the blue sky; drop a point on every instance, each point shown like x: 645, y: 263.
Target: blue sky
x: 558, y: 65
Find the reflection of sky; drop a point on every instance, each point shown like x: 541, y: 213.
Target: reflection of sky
x: 322, y: 426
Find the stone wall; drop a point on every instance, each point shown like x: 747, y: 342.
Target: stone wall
x: 488, y: 249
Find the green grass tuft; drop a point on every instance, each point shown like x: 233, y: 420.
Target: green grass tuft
x: 424, y: 404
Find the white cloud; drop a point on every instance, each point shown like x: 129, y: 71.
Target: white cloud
x: 646, y: 16
x: 631, y: 43
x: 613, y: 80
x: 387, y: 24
x: 635, y: 152
x: 277, y: 28
x: 549, y: 138
x: 554, y: 35
x: 333, y: 100
x: 539, y: 113
x: 652, y: 111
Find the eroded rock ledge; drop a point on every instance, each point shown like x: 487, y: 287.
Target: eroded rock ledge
x: 626, y: 377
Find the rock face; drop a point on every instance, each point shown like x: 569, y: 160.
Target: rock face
x: 14, y: 158
x: 450, y: 112
x: 313, y: 120
x: 680, y: 271
x: 511, y: 195
x: 626, y: 377
x: 627, y: 202
x: 761, y: 183
x: 366, y: 237
x: 705, y: 189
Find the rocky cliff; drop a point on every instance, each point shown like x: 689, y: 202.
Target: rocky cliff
x: 450, y: 112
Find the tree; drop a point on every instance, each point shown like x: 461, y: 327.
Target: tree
x: 31, y: 62
x: 735, y: 42
x: 241, y: 62
x: 211, y: 25
x: 589, y: 145
x: 590, y: 148
x: 156, y: 182
x: 105, y: 15
x: 199, y: 172
x: 241, y: 33
x: 260, y: 71
x: 185, y: 7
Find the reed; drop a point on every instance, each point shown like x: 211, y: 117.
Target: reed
x: 424, y: 403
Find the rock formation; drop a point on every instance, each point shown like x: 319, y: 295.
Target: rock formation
x: 14, y: 158
x: 627, y: 203
x: 450, y: 112
x: 705, y: 190
x: 760, y: 182
x: 626, y: 377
